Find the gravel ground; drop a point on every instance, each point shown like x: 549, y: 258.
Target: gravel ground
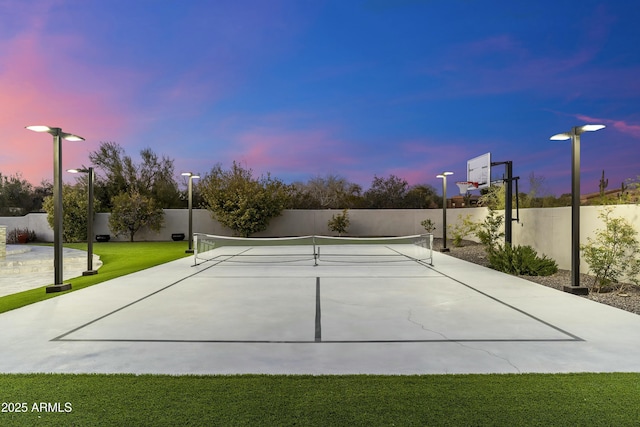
x: 628, y: 299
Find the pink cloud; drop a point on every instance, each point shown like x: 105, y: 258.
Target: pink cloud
x: 619, y: 125
x: 42, y: 83
x: 289, y: 151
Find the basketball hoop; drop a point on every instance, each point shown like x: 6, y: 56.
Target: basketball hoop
x: 464, y: 186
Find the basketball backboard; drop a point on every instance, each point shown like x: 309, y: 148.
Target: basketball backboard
x: 479, y: 170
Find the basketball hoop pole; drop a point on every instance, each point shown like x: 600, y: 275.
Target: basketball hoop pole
x: 508, y: 200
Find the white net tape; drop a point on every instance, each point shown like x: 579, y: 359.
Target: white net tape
x: 313, y: 249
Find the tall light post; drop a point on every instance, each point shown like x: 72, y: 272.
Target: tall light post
x: 191, y: 178
x: 58, y: 135
x: 574, y: 136
x: 444, y: 176
x: 89, y: 171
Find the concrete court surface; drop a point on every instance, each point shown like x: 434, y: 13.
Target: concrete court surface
x: 404, y: 318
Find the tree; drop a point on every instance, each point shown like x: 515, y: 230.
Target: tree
x: 386, y: 193
x: 537, y: 192
x: 339, y: 223
x: 74, y: 212
x: 40, y: 193
x: 132, y: 212
x: 16, y: 195
x: 242, y: 203
x: 117, y: 173
x: 328, y: 192
x: 422, y: 196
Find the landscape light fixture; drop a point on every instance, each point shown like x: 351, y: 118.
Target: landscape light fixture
x: 90, y: 271
x: 574, y: 136
x: 191, y: 178
x: 443, y: 176
x: 58, y: 135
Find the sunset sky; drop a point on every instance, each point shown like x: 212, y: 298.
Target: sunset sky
x: 303, y: 88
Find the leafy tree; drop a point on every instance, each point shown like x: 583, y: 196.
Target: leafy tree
x: 16, y: 195
x: 421, y: 196
x: 40, y: 193
x: 117, y: 173
x: 339, y: 223
x: 328, y: 192
x: 241, y: 202
x: 386, y: 193
x: 74, y: 212
x: 132, y: 212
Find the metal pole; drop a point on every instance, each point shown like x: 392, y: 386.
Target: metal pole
x: 444, y: 214
x: 508, y: 196
x: 190, y: 250
x: 57, y: 207
x: 90, y: 271
x: 575, y: 208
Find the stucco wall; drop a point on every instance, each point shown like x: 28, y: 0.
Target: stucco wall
x: 548, y: 230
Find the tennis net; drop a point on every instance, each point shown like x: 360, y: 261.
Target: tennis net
x: 313, y: 249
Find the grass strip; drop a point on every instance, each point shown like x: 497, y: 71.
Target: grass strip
x: 497, y: 400
x: 118, y: 259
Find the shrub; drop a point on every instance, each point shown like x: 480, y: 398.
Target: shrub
x: 462, y: 229
x: 428, y: 225
x: 339, y: 223
x: 612, y: 254
x: 490, y: 231
x: 521, y: 260
x: 12, y: 236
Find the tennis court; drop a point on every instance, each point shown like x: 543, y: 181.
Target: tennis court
x: 378, y: 308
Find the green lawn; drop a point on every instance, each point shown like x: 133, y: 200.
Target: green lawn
x: 348, y: 400
x: 354, y: 400
x: 118, y: 258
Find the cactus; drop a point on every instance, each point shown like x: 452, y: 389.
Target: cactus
x: 603, y: 184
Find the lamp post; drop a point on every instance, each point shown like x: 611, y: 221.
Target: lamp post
x: 443, y: 176
x: 574, y: 136
x: 191, y: 178
x: 58, y: 135
x: 89, y: 171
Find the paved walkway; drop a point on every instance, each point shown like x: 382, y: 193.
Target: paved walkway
x: 456, y: 317
x: 28, y: 267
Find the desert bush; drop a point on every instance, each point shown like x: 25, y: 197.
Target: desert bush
x: 461, y: 229
x: 613, y: 252
x: 428, y: 225
x: 521, y: 260
x: 490, y: 231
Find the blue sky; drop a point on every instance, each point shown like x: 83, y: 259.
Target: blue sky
x: 304, y: 88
